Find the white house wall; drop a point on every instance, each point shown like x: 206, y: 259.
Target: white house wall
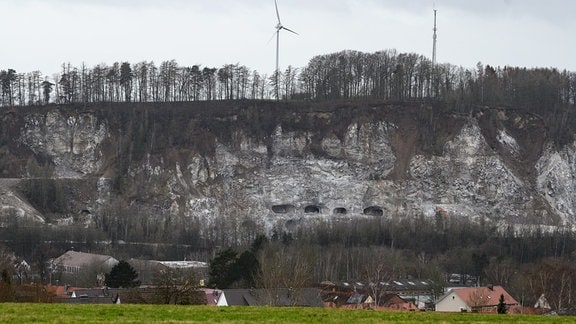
x: 222, y: 300
x: 451, y: 303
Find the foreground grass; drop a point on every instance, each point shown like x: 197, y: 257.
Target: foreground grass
x: 62, y: 313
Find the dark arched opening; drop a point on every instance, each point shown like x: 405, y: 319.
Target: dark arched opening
x: 340, y: 211
x: 312, y: 209
x: 282, y: 209
x: 373, y: 211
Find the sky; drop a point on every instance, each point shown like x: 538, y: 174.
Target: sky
x: 43, y: 34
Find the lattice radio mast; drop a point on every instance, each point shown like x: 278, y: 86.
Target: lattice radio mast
x: 434, y: 41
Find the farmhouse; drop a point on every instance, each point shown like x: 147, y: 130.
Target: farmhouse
x: 477, y: 299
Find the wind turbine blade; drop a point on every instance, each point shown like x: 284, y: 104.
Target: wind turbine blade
x: 277, y: 13
x: 271, y: 38
x: 290, y: 30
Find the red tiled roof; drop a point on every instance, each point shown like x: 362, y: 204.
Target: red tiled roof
x: 484, y: 296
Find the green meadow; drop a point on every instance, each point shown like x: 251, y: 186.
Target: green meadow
x: 62, y: 313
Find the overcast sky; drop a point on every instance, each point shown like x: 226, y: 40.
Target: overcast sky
x: 43, y: 34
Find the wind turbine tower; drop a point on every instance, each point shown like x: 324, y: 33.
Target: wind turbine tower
x: 434, y: 41
x: 279, y: 27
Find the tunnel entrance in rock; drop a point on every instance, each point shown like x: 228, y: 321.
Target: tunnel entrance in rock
x: 373, y: 211
x: 312, y: 209
x: 282, y: 209
x: 340, y: 211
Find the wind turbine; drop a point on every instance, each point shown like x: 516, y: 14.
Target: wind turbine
x: 279, y: 27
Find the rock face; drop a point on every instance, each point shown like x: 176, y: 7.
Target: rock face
x: 260, y: 165
x: 70, y: 140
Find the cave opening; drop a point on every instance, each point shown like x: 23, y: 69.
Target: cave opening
x: 282, y: 209
x: 340, y: 211
x: 373, y: 211
x: 312, y: 209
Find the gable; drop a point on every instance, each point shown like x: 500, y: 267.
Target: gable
x: 451, y: 302
x: 222, y: 300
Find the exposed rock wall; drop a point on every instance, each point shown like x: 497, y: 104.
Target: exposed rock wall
x: 284, y: 165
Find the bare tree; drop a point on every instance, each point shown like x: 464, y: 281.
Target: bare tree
x: 177, y: 286
x: 284, y: 267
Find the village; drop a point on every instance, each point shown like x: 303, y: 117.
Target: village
x: 185, y: 282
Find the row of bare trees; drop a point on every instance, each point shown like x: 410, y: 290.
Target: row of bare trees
x: 384, y: 75
x: 141, y: 82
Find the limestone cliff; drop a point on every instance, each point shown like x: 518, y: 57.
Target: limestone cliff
x: 232, y: 167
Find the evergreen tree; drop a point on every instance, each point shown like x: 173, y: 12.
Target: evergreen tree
x: 223, y: 269
x: 7, y: 293
x: 122, y: 275
x: 501, y: 305
x: 231, y: 268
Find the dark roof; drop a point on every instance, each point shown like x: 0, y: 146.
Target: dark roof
x: 273, y: 297
x: 90, y: 296
x: 85, y: 300
x: 99, y: 292
x: 235, y: 297
x: 355, y: 299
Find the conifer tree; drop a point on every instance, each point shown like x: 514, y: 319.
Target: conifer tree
x: 501, y: 305
x: 122, y: 275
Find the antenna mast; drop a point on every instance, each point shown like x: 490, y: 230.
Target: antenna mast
x: 434, y: 41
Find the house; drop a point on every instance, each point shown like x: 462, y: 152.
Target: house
x: 60, y: 291
x: 474, y: 299
x: 401, y: 294
x: 90, y: 296
x: 309, y: 297
x: 75, y: 262
x: 212, y: 296
x: 235, y: 297
x: 394, y: 302
x: 420, y: 292
x: 353, y: 300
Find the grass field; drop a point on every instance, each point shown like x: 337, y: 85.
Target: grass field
x: 62, y: 313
